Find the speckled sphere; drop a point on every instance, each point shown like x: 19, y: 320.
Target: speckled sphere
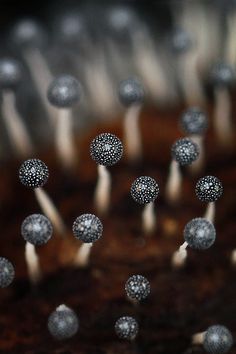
x: 63, y: 323
x: 194, y: 121
x: 199, y: 233
x: 131, y: 92
x: 185, y: 151
x: 217, y: 340
x: 69, y: 28
x: 36, y: 229
x: 106, y: 149
x: 209, y: 189
x: 181, y: 41
x: 33, y: 173
x: 137, y: 287
x: 27, y: 34
x: 222, y: 74
x: 11, y: 72
x: 7, y: 272
x: 64, y: 91
x: 144, y: 190
x: 87, y: 228
x: 126, y: 328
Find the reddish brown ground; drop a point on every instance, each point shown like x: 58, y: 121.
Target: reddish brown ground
x: 182, y: 302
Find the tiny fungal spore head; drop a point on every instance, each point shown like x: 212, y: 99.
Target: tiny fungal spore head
x: 10, y: 73
x: 131, y: 92
x: 36, y: 229
x: 64, y: 91
x: 126, y: 327
x: 185, y: 151
x: 87, y: 228
x: 137, y: 287
x: 33, y: 173
x: 194, y: 121
x: 181, y: 40
x: 199, y: 233
x: 63, y: 323
x: 209, y: 189
x: 144, y: 190
x: 106, y: 149
x: 7, y: 272
x: 217, y: 340
x: 223, y: 74
x: 27, y: 34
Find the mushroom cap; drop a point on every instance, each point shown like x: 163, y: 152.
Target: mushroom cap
x: 88, y: 228
x: 217, y: 340
x: 181, y: 40
x: 126, y: 327
x: 7, y: 272
x: 106, y: 149
x: 121, y: 19
x: 131, y: 92
x: 64, y: 91
x: 28, y: 33
x: 33, y: 173
x: 144, y: 190
x: 199, y: 233
x: 63, y: 323
x: 184, y: 151
x: 11, y: 73
x: 222, y: 74
x: 194, y: 121
x: 69, y: 27
x: 137, y: 287
x: 36, y: 229
x: 209, y: 189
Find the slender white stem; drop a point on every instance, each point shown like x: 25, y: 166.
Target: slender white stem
x: 50, y: 210
x: 197, y: 165
x: 198, y: 338
x: 222, y: 116
x: 148, y: 218
x: 132, y: 136
x: 32, y: 262
x: 103, y: 190
x: 82, y: 256
x: 230, y: 51
x: 15, y: 126
x: 210, y: 212
x: 233, y: 257
x: 190, y: 79
x: 64, y: 138
x: 42, y: 78
x: 179, y: 257
x: 173, y: 186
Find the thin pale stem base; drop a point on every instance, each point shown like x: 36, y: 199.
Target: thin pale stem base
x: 173, y: 186
x: 82, y: 256
x: 103, y: 190
x: 19, y: 137
x: 148, y: 218
x: 50, y: 210
x: 179, y: 257
x: 32, y: 262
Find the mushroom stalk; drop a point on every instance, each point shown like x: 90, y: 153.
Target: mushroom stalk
x: 222, y: 116
x: 198, y: 338
x: 82, y: 256
x: 50, y: 210
x: 103, y: 190
x: 173, y: 187
x: 32, y: 261
x: 64, y: 140
x: 132, y: 137
x: 179, y: 257
x: 15, y: 126
x: 148, y: 217
x: 210, y: 212
x: 198, y: 164
x: 41, y: 76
